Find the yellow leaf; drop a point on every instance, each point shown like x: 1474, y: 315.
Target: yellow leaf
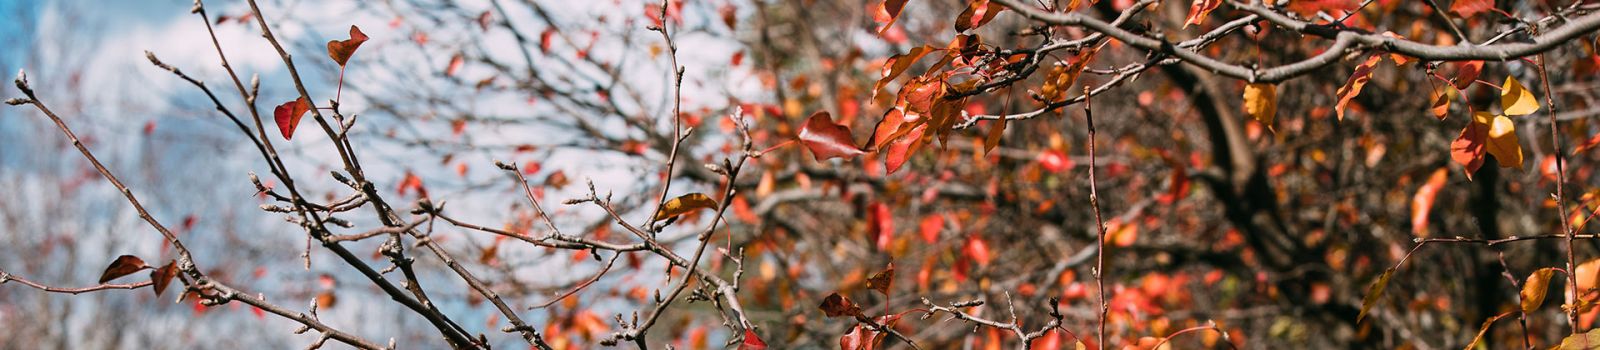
x: 1534, y: 289
x: 1503, y: 142
x: 684, y: 204
x: 1373, y: 293
x: 1515, y: 100
x: 1586, y: 341
x: 1261, y: 102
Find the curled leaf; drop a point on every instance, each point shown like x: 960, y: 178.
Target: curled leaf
x: 1535, y: 288
x: 1198, y: 11
x: 288, y: 116
x: 685, y: 204
x: 1516, y: 100
x: 882, y: 280
x: 1358, y: 79
x: 1422, y: 202
x: 1261, y: 102
x: 836, y: 305
x: 123, y: 266
x: 1373, y: 293
x: 826, y: 139
x: 161, y: 277
x: 1485, y: 329
x: 1467, y: 72
x: 340, y: 50
x: 1440, y: 108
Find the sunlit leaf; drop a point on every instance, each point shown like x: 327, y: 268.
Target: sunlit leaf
x: 1261, y: 102
x: 1440, y: 108
x: 1503, y: 142
x: 1534, y: 289
x: 826, y: 139
x: 1469, y: 148
x: 1198, y: 11
x: 1358, y: 79
x: 1469, y: 8
x: 977, y: 14
x: 1467, y: 73
x: 685, y: 204
x: 340, y: 50
x: 288, y: 116
x: 123, y: 266
x: 1587, y: 341
x: 1373, y: 293
x: 752, y: 341
x: 1516, y: 100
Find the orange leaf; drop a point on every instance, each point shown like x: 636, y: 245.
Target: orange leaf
x: 1468, y: 149
x: 455, y: 65
x: 977, y: 249
x: 931, y: 226
x: 826, y: 139
x: 340, y: 50
x: 288, y: 116
x: 685, y: 204
x: 1467, y: 72
x: 1352, y: 87
x: 1535, y: 288
x: 123, y: 266
x: 1469, y: 8
x: 1199, y: 9
x: 977, y: 14
x: 1422, y: 202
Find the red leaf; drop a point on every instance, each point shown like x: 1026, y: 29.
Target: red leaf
x: 123, y: 266
x: 340, y: 50
x: 1469, y: 148
x: 1469, y: 8
x: 752, y: 341
x: 977, y: 249
x: 890, y: 11
x: 288, y: 116
x: 161, y: 277
x: 931, y: 225
x: 1466, y: 73
x: 1587, y: 144
x: 410, y: 182
x: 1422, y: 202
x: 826, y: 139
x: 1054, y: 161
x: 1352, y: 87
x: 880, y: 224
x: 455, y: 65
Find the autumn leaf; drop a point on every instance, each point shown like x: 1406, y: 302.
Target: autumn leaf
x: 1198, y: 11
x: 1515, y: 100
x: 1422, y: 202
x: 1468, y: 149
x: 1261, y: 102
x: 1467, y: 73
x: 455, y: 65
x: 161, y: 277
x: 1587, y: 341
x: 880, y: 224
x: 1373, y: 293
x: 123, y: 266
x: 683, y: 205
x: 882, y: 280
x: 1469, y: 8
x: 1503, y: 142
x: 1587, y: 144
x: 1441, y: 105
x: 976, y: 249
x: 977, y: 14
x: 1358, y: 79
x: 826, y: 139
x: 1061, y: 77
x: 836, y: 305
x: 891, y: 12
x: 752, y: 341
x: 1485, y: 329
x: 340, y: 50
x: 1534, y: 289
x: 930, y: 227
x: 288, y: 116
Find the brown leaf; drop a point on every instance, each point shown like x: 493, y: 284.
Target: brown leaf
x: 685, y: 204
x: 1261, y: 102
x: 124, y: 265
x: 288, y: 116
x: 826, y: 139
x: 1358, y: 79
x: 340, y: 50
x: 882, y: 280
x: 1485, y: 329
x: 326, y: 300
x: 161, y: 277
x: 1535, y: 288
x: 1373, y: 293
x: 836, y: 305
